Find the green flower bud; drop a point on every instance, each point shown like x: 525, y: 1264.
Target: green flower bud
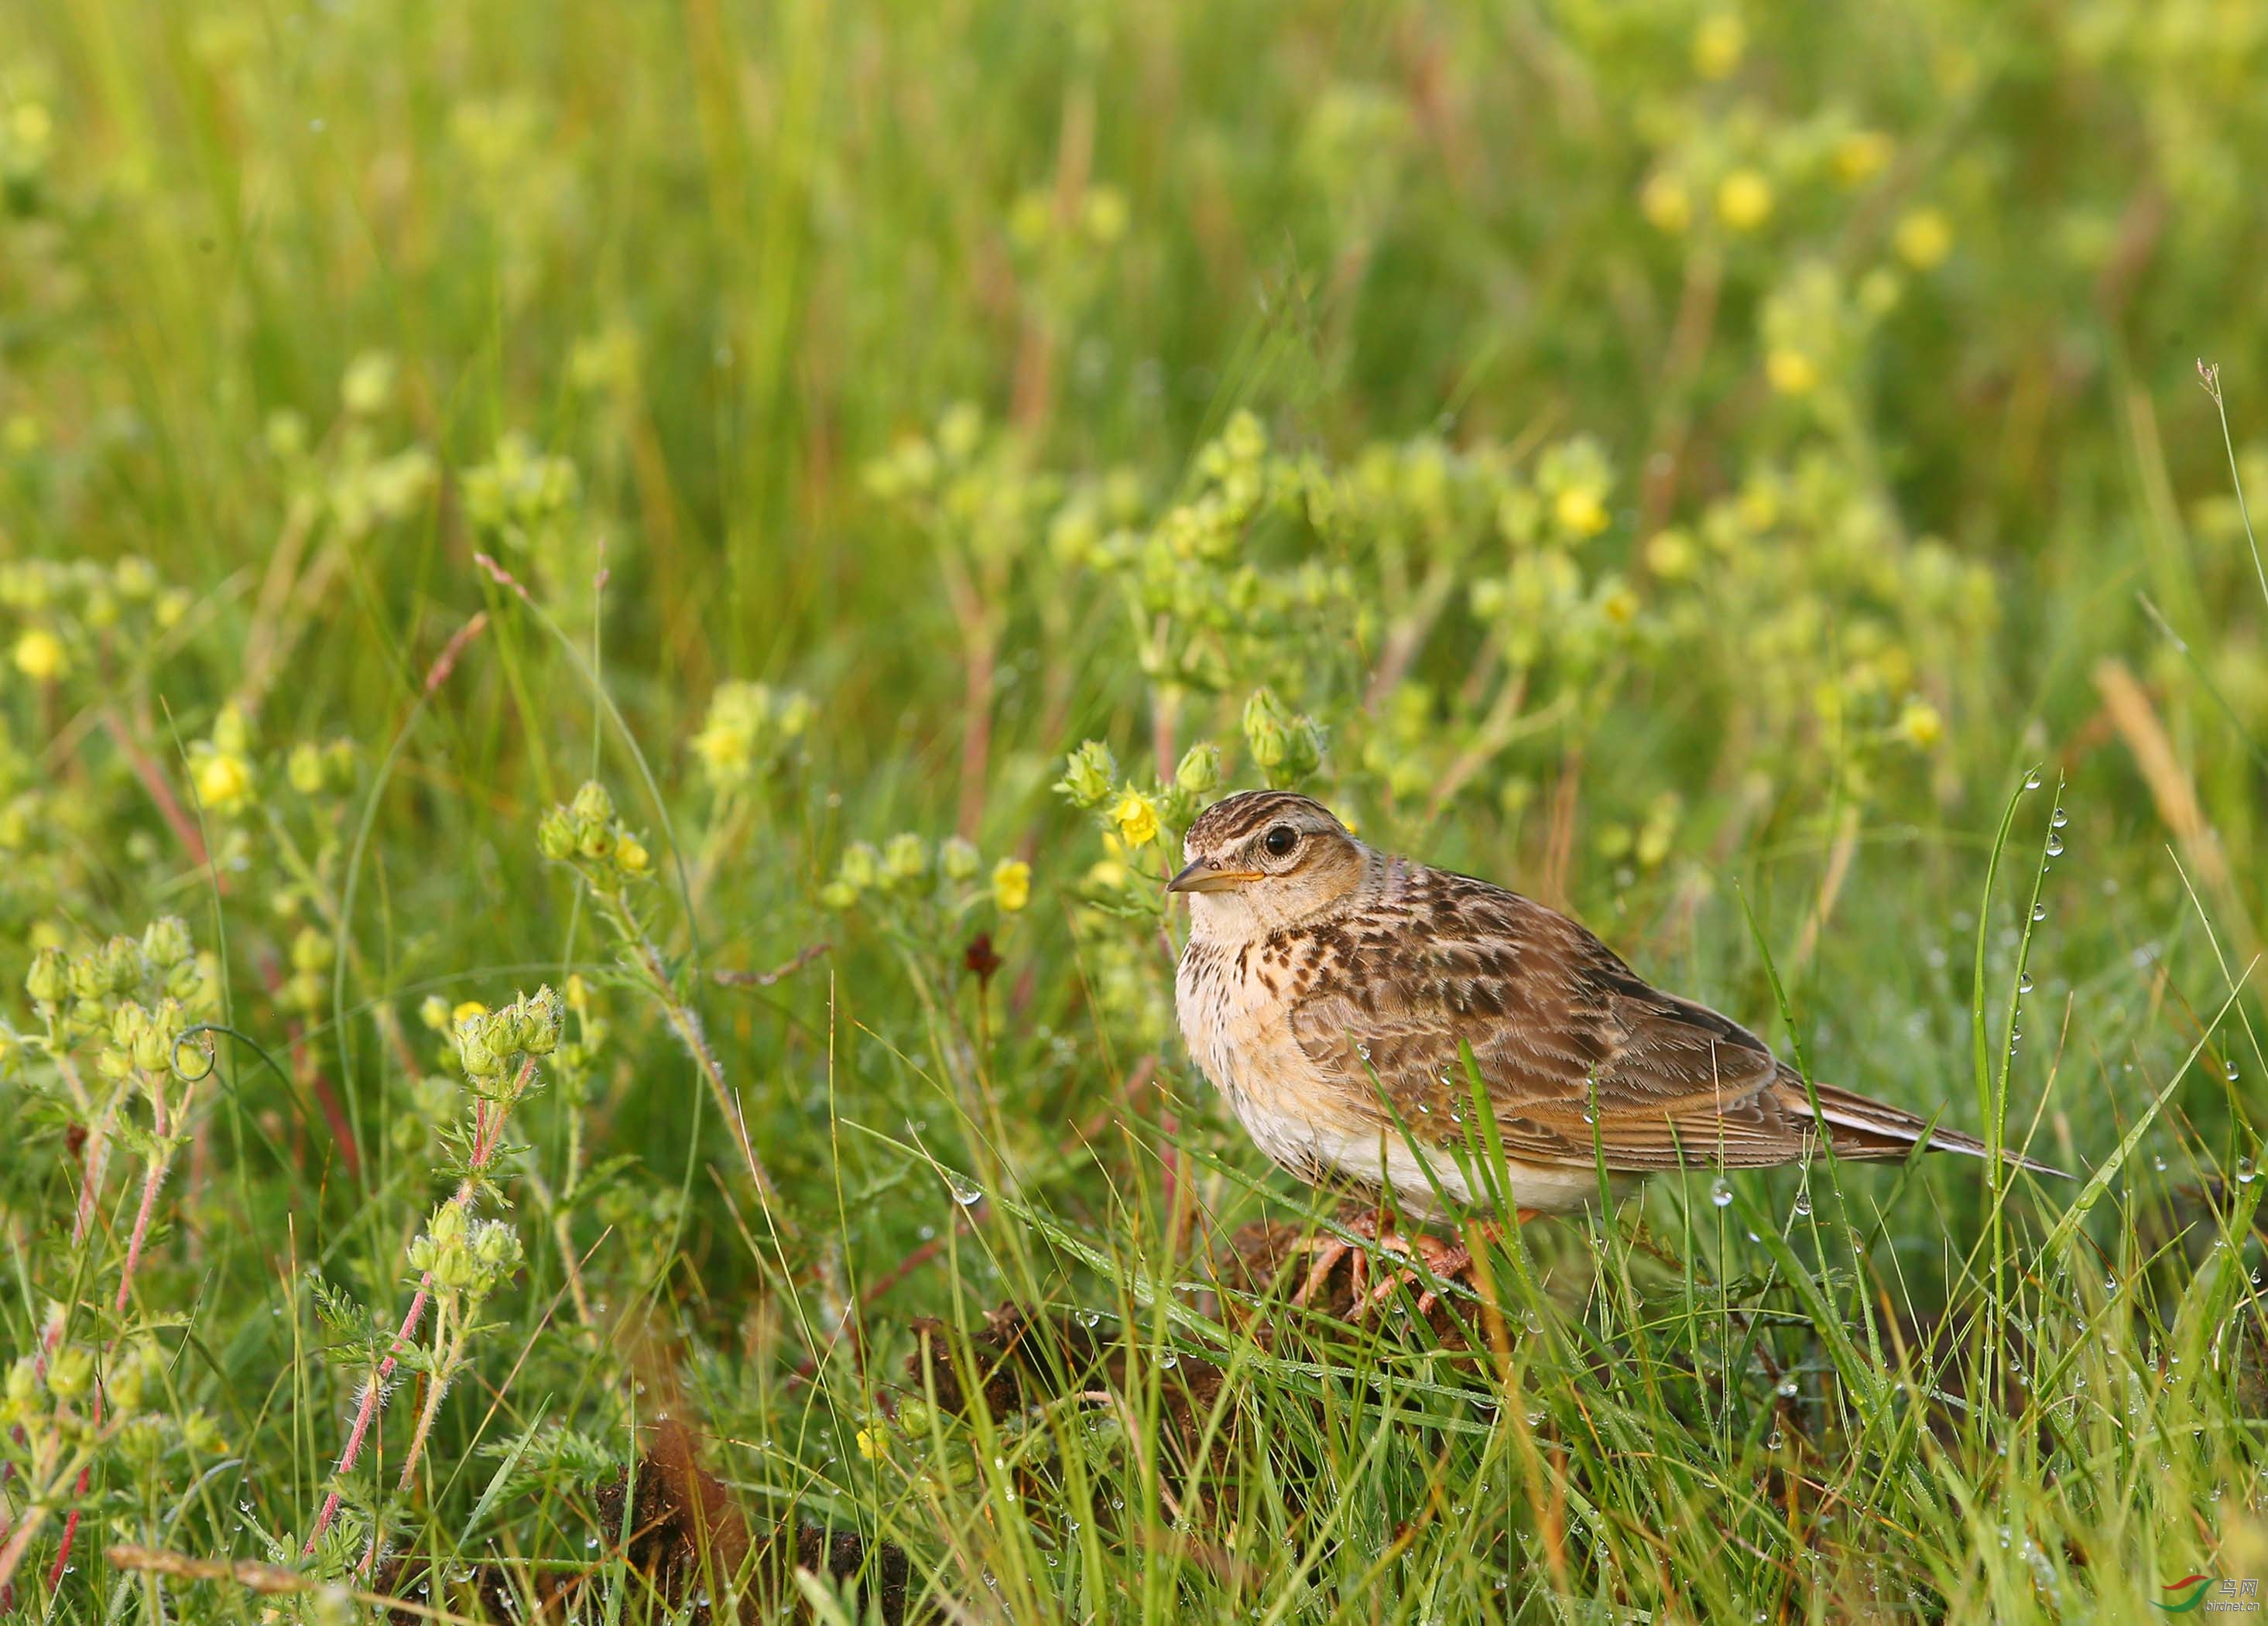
x: 447, y: 1226
x: 595, y: 842
x: 1088, y: 774
x: 165, y: 943
x: 90, y: 977
x: 960, y: 859
x: 305, y: 769
x: 1286, y: 747
x: 861, y: 865
x: 22, y: 1383
x: 474, y: 1049
x: 592, y: 805
x: 121, y: 959
x: 312, y: 950
x: 544, y: 1012
x: 124, y: 1383
x: 49, y: 979
x: 202, y: 1436
x: 906, y: 858
x: 1199, y: 771
x: 153, y: 1048
x: 70, y: 1373
x: 433, y: 1010
x: 496, y: 1245
x: 838, y: 895
x: 555, y: 837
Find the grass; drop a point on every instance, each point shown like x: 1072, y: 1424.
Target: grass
x: 1737, y: 473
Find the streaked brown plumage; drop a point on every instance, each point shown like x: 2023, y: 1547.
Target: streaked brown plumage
x: 1315, y: 963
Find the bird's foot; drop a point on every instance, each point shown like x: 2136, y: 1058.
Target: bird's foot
x: 1448, y: 1262
x: 1326, y: 1251
x: 1442, y: 1261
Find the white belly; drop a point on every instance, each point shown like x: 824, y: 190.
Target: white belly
x: 1318, y: 1128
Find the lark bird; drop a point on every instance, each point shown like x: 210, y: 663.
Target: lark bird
x: 1326, y: 989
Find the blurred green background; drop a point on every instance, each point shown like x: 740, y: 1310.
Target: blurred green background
x: 1676, y: 459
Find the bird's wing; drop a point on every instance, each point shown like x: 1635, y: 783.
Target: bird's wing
x: 1561, y: 1030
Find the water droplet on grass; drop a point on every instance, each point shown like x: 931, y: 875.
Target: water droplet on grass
x: 2032, y: 780
x: 1720, y: 1192
x: 1802, y: 1204
x: 963, y: 1193
x: 2055, y: 846
x: 2247, y: 1171
x: 2024, y: 983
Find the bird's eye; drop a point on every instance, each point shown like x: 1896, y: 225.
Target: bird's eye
x: 1280, y: 840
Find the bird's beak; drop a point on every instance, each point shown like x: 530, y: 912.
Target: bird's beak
x: 1201, y: 877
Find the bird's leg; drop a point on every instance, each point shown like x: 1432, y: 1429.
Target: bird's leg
x: 1448, y: 1260
x: 1326, y: 1250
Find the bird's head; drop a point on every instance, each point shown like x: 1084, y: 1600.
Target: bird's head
x: 1262, y: 860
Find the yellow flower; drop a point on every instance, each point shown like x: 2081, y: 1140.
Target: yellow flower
x: 1919, y: 724
x: 1578, y: 510
x: 467, y: 1012
x: 1012, y: 885
x: 1666, y: 203
x: 1671, y: 555
x: 222, y: 779
x: 1137, y: 819
x: 1744, y: 200
x: 1718, y: 44
x: 1619, y: 605
x: 1924, y: 238
x: 1862, y: 155
x: 1106, y: 215
x: 1791, y: 372
x: 40, y: 655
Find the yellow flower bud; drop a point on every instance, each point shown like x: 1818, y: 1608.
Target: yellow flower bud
x: 40, y: 655
x: 1791, y: 372
x: 1718, y: 44
x: 1579, y: 510
x: 1862, y: 155
x: 1744, y: 200
x: 1666, y: 204
x: 1012, y: 885
x: 221, y: 779
x: 1924, y: 238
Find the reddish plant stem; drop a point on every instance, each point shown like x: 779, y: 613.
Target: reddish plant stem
x: 487, y: 1130
x: 152, y: 1178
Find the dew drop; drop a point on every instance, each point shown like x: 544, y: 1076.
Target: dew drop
x: 2024, y: 983
x: 2032, y: 780
x: 2039, y: 911
x: 963, y: 1193
x: 1802, y: 1204
x: 1720, y: 1192
x: 2055, y: 846
x: 2230, y: 1072
x: 2247, y: 1171
x: 1775, y: 1440
x: 1787, y: 1387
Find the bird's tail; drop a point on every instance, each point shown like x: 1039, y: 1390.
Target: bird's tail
x: 1861, y: 1128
